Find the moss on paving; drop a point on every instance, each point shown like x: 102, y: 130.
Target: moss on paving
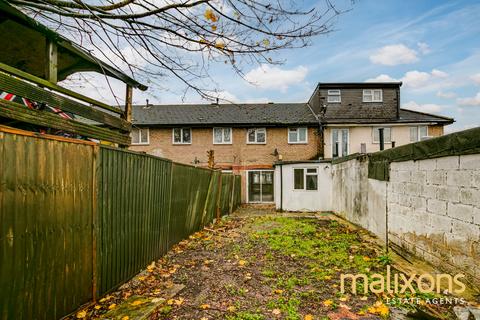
x: 265, y: 267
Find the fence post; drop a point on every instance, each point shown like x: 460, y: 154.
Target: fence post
x: 219, y: 196
x: 95, y: 164
x: 210, y: 186
x: 232, y: 195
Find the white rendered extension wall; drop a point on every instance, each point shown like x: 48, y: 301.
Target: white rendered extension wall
x: 303, y: 200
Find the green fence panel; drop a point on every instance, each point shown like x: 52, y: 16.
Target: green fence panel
x: 238, y: 192
x: 189, y: 194
x: 78, y: 220
x: 211, y: 205
x: 133, y: 214
x: 226, y: 194
x: 46, y: 209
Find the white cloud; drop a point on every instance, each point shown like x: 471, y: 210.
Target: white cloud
x: 394, y: 54
x: 472, y: 101
x: 446, y: 95
x: 428, y: 107
x: 476, y: 78
x: 271, y: 77
x: 416, y: 78
x: 439, y: 73
x: 413, y: 79
x: 382, y: 78
x: 423, y: 48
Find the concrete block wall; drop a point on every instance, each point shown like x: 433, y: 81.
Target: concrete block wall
x: 431, y: 208
x: 434, y: 210
x: 357, y: 198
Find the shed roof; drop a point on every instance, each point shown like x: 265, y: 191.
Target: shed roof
x: 24, y: 47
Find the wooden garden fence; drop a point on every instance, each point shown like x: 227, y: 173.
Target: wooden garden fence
x: 78, y: 219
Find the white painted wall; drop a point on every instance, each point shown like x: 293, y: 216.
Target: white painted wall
x: 432, y: 207
x: 357, y: 198
x: 304, y: 200
x: 364, y: 134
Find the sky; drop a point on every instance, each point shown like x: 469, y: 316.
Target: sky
x: 433, y: 47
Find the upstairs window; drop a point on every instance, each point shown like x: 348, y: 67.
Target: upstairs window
x: 334, y: 96
x: 305, y: 179
x: 374, y: 95
x: 387, y: 135
x: 182, y: 135
x: 297, y: 135
x: 257, y: 136
x: 222, y: 135
x: 140, y: 136
x: 418, y: 133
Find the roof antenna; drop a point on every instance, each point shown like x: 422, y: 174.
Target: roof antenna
x: 147, y: 106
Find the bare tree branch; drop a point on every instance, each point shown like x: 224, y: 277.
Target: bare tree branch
x: 154, y: 39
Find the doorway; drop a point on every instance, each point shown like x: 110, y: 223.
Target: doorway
x: 260, y: 186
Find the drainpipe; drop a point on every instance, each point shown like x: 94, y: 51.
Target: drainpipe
x: 381, y: 138
x: 319, y: 117
x: 281, y: 187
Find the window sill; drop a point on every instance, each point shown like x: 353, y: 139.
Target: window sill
x: 222, y: 143
x: 256, y: 143
x: 140, y: 144
x: 181, y: 144
x: 306, y: 142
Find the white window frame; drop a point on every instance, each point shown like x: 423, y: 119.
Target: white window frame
x: 371, y: 92
x: 419, y: 138
x: 140, y: 143
x: 256, y: 134
x: 223, y: 136
x: 181, y: 135
x: 334, y: 93
x: 305, y: 174
x: 247, y: 185
x: 298, y: 142
x: 332, y: 143
x: 385, y: 141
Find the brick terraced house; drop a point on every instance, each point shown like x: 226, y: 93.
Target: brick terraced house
x: 339, y: 119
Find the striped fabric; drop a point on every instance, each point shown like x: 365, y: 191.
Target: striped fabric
x: 40, y: 106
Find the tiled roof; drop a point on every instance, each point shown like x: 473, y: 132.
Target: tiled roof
x: 224, y: 114
x: 406, y: 116
x: 262, y: 114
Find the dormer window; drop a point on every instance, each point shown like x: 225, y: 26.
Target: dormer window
x: 373, y: 95
x: 334, y: 96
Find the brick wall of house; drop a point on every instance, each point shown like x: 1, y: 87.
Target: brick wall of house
x: 239, y: 153
x: 238, y: 156
x: 435, y: 130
